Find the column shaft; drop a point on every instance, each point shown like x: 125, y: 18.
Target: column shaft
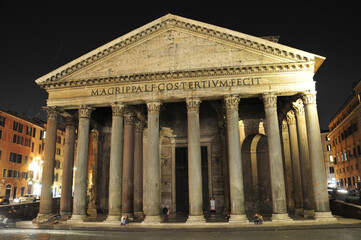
x: 81, y: 172
x: 68, y: 164
x: 296, y: 169
x: 322, y: 207
x: 128, y: 164
x: 275, y: 158
x: 138, y: 169
x: 116, y: 164
x: 234, y: 161
x: 194, y: 162
x: 304, y: 160
x: 151, y: 167
x: 49, y: 159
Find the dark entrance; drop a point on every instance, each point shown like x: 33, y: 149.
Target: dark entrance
x: 182, y: 196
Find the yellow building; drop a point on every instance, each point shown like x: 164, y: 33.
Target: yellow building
x: 346, y: 141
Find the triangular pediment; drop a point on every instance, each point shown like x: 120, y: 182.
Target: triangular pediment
x: 175, y: 44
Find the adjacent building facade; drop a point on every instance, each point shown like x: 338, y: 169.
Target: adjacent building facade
x: 177, y: 112
x: 329, y: 159
x: 21, y: 156
x: 346, y: 141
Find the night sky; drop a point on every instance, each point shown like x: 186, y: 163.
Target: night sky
x: 38, y: 38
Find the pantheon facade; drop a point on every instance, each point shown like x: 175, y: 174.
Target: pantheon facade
x: 178, y: 112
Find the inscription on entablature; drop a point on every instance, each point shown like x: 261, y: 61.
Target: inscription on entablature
x: 171, y: 86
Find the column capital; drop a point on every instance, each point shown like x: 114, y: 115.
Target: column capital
x: 291, y: 119
x: 117, y: 109
x: 129, y: 117
x: 52, y: 112
x: 154, y: 106
x: 193, y: 104
x: 232, y: 101
x: 298, y: 107
x: 269, y: 100
x: 139, y: 126
x: 85, y: 111
x: 69, y: 119
x: 284, y: 125
x: 309, y: 98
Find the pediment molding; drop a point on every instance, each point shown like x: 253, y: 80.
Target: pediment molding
x: 295, y: 56
x: 174, y: 75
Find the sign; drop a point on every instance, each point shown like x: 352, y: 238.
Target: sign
x: 173, y: 86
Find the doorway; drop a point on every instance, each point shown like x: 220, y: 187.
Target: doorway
x: 182, y: 193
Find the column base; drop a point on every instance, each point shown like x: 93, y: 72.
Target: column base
x: 281, y: 217
x: 309, y: 213
x: 112, y: 219
x: 43, y: 218
x: 299, y: 211
x: 77, y: 218
x: 139, y: 214
x: 238, y: 218
x: 195, y: 219
x: 152, y: 220
x: 325, y: 217
x: 65, y: 216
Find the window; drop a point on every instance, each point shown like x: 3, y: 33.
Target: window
x: 358, y: 150
x: 16, y: 174
x: 58, y: 139
x: 328, y: 147
x: 0, y: 154
x: 58, y: 151
x: 16, y: 158
x: 5, y: 172
x: 34, y: 131
x: 26, y: 159
x: 31, y: 174
x: 32, y: 147
x: 24, y: 175
x: 28, y: 130
x: 27, y: 142
x: 2, y: 121
x: 41, y: 134
x: 331, y: 158
x: 10, y: 173
x: 332, y: 170
x: 18, y: 127
x: 345, y: 156
x: 1, y: 133
x: 18, y: 139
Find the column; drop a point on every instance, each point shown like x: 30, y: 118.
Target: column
x: 151, y: 167
x: 81, y: 172
x: 68, y: 164
x: 237, y: 213
x: 295, y: 157
x: 128, y: 164
x: 275, y: 158
x: 308, y: 203
x: 138, y: 169
x: 288, y: 167
x: 46, y: 201
x: 194, y: 162
x: 322, y: 207
x: 116, y: 163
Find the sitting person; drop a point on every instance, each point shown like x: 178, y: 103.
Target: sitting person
x: 258, y: 219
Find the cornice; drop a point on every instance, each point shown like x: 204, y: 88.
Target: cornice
x: 183, y: 74
x: 172, y: 21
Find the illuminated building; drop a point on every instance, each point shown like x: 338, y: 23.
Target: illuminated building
x: 177, y: 112
x: 328, y: 158
x: 346, y: 141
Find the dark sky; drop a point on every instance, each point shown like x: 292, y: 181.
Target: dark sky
x: 38, y: 38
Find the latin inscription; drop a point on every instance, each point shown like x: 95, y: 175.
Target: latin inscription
x: 171, y: 86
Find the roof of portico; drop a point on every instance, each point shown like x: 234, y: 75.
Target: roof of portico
x: 275, y: 56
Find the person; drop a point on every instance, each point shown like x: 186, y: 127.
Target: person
x: 126, y: 219
x: 12, y: 217
x: 165, y: 214
x: 257, y: 219
x: 122, y: 220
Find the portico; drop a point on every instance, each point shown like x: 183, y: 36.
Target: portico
x: 178, y: 83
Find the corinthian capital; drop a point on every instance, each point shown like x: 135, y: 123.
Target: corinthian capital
x: 291, y: 119
x: 52, y: 112
x: 154, y: 107
x: 309, y: 98
x: 232, y: 101
x: 117, y: 109
x: 193, y: 104
x: 298, y: 107
x: 85, y: 111
x: 269, y: 100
